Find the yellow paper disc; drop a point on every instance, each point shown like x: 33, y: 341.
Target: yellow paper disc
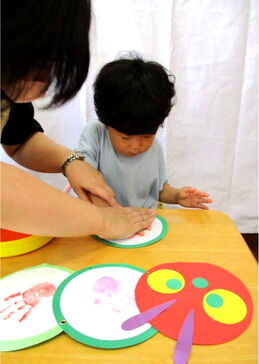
x: 224, y: 306
x: 166, y: 281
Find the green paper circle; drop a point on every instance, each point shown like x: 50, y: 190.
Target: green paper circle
x: 174, y: 283
x: 75, y: 334
x: 214, y: 300
x: 200, y: 282
x: 159, y: 237
x: 10, y: 345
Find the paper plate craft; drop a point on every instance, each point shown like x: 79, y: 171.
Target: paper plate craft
x: 26, y: 316
x: 91, y: 305
x: 157, y: 232
x: 193, y: 303
x: 14, y: 243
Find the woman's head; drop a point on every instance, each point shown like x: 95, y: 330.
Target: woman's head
x: 44, y: 42
x: 133, y: 96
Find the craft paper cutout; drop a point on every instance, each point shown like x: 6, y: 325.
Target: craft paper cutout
x: 92, y: 304
x: 143, y: 317
x: 221, y: 303
x: 14, y: 243
x: 184, y: 342
x: 157, y: 232
x: 26, y: 316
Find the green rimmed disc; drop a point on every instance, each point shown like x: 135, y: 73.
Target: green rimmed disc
x: 91, y: 305
x: 158, y: 231
x: 26, y: 306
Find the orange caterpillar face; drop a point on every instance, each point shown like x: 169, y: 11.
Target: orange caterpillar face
x: 221, y: 304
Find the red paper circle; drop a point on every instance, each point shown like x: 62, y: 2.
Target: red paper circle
x: 207, y: 331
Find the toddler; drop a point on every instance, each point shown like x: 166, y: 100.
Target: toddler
x: 132, y: 99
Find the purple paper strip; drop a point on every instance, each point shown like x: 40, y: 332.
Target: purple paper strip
x: 143, y: 317
x: 184, y: 342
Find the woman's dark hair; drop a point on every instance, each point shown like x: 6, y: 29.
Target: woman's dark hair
x: 48, y: 36
x: 133, y: 96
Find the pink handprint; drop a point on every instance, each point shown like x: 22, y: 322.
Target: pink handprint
x: 31, y: 297
x: 107, y: 287
x: 110, y: 292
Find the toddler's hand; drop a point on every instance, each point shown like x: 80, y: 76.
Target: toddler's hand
x: 190, y: 197
x: 141, y: 232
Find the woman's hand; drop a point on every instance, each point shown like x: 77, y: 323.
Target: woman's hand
x: 120, y: 223
x: 190, y: 197
x: 83, y: 178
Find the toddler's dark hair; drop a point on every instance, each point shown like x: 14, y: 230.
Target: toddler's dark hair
x: 46, y: 36
x: 133, y: 96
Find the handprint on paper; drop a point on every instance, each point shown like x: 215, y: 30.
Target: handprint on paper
x: 24, y: 302
x: 108, y: 291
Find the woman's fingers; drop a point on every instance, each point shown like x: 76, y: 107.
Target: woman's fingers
x: 105, y: 192
x: 82, y: 194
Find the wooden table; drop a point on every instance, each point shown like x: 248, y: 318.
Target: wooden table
x: 193, y: 236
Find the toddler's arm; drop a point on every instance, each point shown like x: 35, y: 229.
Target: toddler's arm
x: 185, y: 196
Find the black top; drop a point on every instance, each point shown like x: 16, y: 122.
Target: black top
x: 20, y: 124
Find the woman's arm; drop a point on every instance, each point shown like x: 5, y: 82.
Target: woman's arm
x: 31, y: 206
x: 40, y: 153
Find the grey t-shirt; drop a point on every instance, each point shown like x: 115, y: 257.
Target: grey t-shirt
x: 137, y: 180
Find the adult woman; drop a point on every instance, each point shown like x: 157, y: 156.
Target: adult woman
x: 45, y: 42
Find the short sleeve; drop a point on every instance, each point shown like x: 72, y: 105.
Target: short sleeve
x: 20, y: 125
x: 162, y: 170
x: 89, y: 143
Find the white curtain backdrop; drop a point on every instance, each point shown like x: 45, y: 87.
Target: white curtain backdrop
x: 210, y: 137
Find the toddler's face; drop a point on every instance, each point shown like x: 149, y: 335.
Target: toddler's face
x: 130, y: 145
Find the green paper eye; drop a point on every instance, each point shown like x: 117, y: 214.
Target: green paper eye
x: 200, y: 282
x: 224, y: 306
x: 166, y: 281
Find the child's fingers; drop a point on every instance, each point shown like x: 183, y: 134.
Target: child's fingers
x: 140, y: 233
x: 201, y: 193
x: 188, y: 189
x: 201, y: 206
x: 206, y: 200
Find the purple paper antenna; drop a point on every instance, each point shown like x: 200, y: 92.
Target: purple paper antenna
x: 143, y: 317
x: 184, y: 343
